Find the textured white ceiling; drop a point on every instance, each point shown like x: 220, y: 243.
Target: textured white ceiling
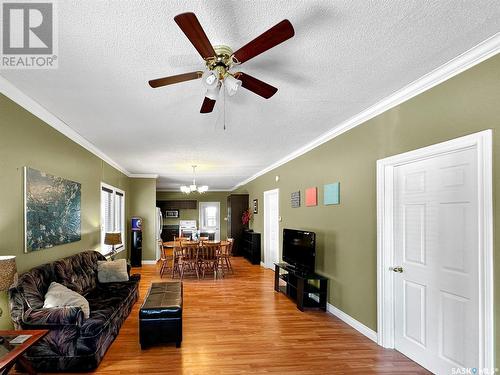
x: 345, y: 56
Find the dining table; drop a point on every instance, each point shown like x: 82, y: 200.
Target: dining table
x: 177, y: 244
x: 170, y: 247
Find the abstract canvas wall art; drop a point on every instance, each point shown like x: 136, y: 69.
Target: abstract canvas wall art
x: 295, y: 199
x: 52, y: 208
x: 311, y: 196
x: 331, y: 193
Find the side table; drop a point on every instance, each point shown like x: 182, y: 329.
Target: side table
x: 10, y: 354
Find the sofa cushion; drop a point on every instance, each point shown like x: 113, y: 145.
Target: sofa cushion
x: 105, y: 302
x: 78, y: 272
x: 60, y: 296
x: 32, y: 286
x: 112, y: 271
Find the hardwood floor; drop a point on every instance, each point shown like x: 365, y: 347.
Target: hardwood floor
x: 240, y: 325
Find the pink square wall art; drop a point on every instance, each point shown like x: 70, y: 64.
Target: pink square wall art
x: 311, y: 196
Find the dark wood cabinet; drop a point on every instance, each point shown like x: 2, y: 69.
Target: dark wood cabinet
x: 250, y: 246
x: 236, y: 205
x: 301, y: 287
x: 184, y: 204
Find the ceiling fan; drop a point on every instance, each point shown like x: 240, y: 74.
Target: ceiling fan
x: 220, y: 59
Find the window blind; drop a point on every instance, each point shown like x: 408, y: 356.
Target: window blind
x: 112, y: 215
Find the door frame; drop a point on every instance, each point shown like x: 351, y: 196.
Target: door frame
x: 482, y: 143
x: 203, y: 203
x: 266, y: 194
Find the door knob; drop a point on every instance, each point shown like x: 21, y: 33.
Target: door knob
x: 397, y: 269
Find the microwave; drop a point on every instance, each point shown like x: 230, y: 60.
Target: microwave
x: 171, y: 213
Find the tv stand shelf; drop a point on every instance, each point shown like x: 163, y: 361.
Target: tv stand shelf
x: 296, y: 285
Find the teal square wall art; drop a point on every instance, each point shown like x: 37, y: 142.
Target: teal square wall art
x: 331, y: 193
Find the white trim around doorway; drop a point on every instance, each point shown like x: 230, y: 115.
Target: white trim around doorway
x: 267, y: 193
x: 482, y: 142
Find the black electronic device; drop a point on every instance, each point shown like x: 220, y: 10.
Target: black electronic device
x: 299, y: 249
x: 136, y: 242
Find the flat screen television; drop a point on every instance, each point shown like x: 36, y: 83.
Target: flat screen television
x: 299, y: 249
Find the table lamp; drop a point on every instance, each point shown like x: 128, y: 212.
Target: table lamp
x: 7, y: 274
x: 112, y: 238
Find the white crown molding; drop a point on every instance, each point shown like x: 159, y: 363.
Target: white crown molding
x: 178, y: 191
x: 35, y: 108
x: 466, y: 60
x: 357, y: 325
x: 143, y: 175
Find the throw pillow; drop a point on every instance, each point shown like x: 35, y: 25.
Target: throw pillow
x: 112, y: 271
x: 60, y: 296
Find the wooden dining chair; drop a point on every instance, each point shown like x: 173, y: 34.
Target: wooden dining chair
x: 225, y: 255
x: 166, y: 258
x: 186, y: 259
x: 209, y: 258
x: 204, y: 238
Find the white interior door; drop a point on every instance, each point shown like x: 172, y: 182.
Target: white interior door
x: 436, y: 307
x: 271, y: 228
x: 210, y: 218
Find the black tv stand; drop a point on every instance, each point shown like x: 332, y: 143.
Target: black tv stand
x: 295, y: 284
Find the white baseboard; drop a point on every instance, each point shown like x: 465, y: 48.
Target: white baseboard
x: 358, y: 326
x: 149, y: 262
x: 262, y: 264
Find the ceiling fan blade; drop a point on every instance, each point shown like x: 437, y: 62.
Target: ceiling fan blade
x: 256, y: 85
x: 271, y: 38
x: 190, y: 25
x: 159, y: 82
x: 207, y: 106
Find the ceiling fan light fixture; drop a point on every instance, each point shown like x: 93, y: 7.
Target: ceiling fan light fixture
x: 220, y: 59
x: 232, y: 84
x: 210, y: 79
x: 185, y: 189
x: 203, y: 189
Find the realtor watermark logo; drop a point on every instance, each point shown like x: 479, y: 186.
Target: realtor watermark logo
x: 29, y: 35
x: 473, y: 371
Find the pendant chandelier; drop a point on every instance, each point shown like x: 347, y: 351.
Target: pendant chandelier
x: 192, y: 188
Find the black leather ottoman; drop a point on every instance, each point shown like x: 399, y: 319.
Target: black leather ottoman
x: 160, y: 316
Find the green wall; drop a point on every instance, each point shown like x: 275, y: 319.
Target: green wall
x: 27, y: 141
x: 346, y: 234
x: 143, y: 204
x: 209, y: 196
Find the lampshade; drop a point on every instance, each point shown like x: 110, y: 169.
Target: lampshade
x: 209, y: 79
x: 213, y: 93
x: 232, y: 84
x: 7, y: 272
x: 202, y: 189
x: 112, y: 238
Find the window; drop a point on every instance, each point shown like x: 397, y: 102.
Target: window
x: 210, y: 217
x: 112, y: 215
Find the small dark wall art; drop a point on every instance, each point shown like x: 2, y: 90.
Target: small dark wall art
x: 255, y: 206
x: 295, y: 199
x: 52, y: 210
